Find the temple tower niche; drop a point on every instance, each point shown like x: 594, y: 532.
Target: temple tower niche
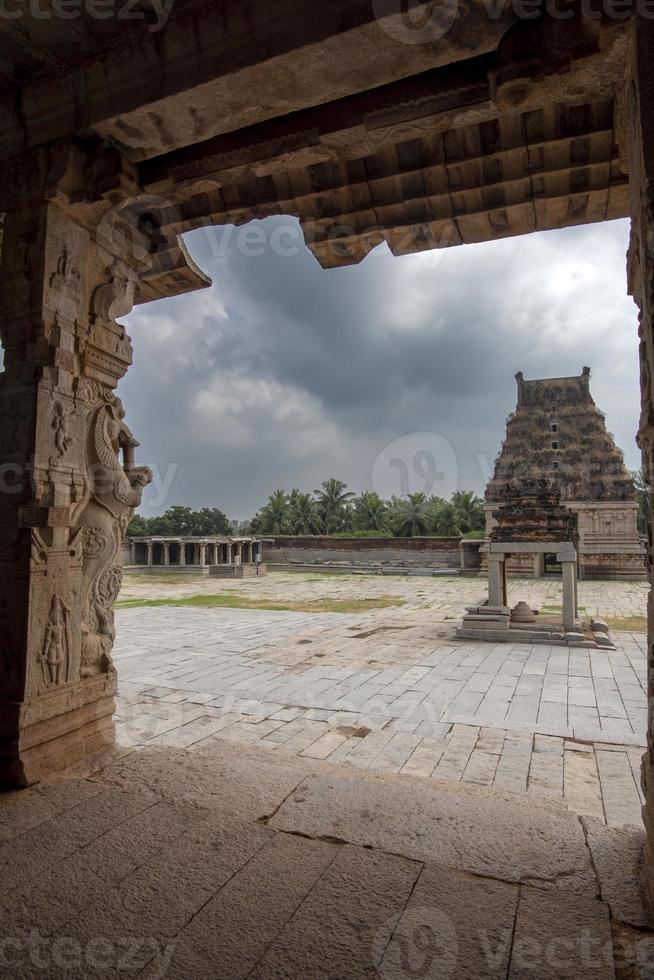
x: 558, y: 433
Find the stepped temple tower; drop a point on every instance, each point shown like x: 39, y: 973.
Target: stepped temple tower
x: 557, y: 433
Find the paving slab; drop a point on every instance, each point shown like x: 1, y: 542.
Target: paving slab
x: 485, y: 835
x: 560, y: 936
x: 454, y: 926
x: 619, y: 858
x: 344, y: 926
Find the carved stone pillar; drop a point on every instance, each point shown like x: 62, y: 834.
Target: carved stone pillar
x: 150, y: 554
x: 496, y: 581
x: 68, y: 486
x: 569, y: 584
x: 182, y: 555
x: 639, y: 125
x: 166, y: 554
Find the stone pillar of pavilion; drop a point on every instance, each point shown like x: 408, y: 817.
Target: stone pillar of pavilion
x: 66, y: 274
x: 496, y: 580
x: 166, y: 553
x: 638, y: 106
x: 132, y: 553
x: 203, y: 555
x: 531, y: 520
x: 150, y: 554
x: 182, y: 554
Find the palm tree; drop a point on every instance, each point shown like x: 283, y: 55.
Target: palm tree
x: 371, y: 513
x: 412, y: 517
x: 445, y: 520
x: 347, y: 517
x: 303, y: 514
x: 468, y: 511
x: 331, y: 499
x: 274, y: 516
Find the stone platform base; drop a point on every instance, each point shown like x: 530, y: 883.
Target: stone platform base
x: 374, y: 568
x: 166, y: 570
x: 494, y: 623
x: 237, y: 571
x: 36, y: 741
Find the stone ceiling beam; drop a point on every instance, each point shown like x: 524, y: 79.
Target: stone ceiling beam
x: 216, y: 67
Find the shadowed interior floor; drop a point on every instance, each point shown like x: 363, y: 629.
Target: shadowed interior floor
x: 224, y: 863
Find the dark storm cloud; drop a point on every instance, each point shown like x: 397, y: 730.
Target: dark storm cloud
x: 283, y: 374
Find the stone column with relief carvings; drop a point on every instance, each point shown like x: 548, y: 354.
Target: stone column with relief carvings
x: 638, y: 131
x: 69, y: 485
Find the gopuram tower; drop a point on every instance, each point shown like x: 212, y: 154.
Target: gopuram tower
x: 558, y: 433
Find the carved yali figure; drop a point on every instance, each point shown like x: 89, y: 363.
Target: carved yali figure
x: 114, y: 490
x: 55, y: 656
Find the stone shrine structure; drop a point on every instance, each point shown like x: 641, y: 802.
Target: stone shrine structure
x: 558, y: 433
x: 237, y: 556
x: 118, y: 135
x: 531, y: 521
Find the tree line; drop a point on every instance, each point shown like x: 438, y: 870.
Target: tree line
x: 181, y: 521
x: 333, y: 509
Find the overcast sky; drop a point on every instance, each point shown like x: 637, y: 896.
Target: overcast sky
x: 394, y: 374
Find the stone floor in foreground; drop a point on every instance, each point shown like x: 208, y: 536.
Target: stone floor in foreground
x: 232, y: 836
x: 231, y: 864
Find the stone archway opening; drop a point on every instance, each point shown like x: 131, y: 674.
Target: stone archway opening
x: 405, y: 161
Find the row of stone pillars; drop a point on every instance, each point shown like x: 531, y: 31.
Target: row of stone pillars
x: 202, y: 555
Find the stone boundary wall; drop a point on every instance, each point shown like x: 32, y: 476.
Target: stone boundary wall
x: 424, y: 552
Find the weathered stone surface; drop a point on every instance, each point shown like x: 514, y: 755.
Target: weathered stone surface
x: 454, y: 925
x: 559, y: 936
x: 347, y: 920
x: 449, y: 828
x: 619, y: 859
x: 235, y: 928
x: 633, y: 950
x: 222, y: 777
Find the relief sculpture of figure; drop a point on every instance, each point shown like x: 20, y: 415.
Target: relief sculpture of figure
x: 114, y: 490
x: 55, y: 655
x: 63, y: 441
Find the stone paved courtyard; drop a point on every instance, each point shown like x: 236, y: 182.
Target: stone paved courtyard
x: 391, y: 690
x: 253, y: 823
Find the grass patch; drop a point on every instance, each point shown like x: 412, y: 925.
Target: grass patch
x: 628, y: 624
x: 164, y: 579
x: 551, y: 610
x: 225, y: 601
